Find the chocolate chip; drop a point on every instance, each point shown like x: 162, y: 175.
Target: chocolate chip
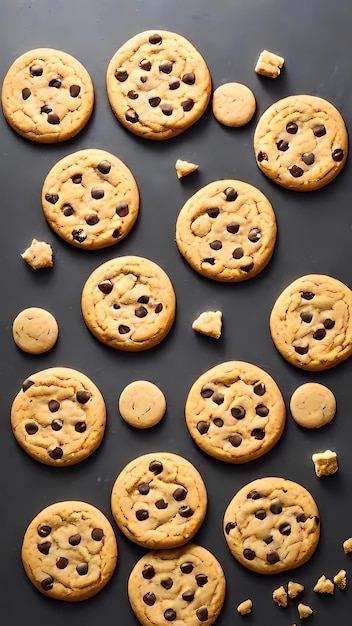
x: 170, y: 615
x: 268, y: 540
x: 143, y: 299
x: 247, y: 268
x: 282, y: 145
x: 57, y: 424
x: 338, y: 154
x: 285, y: 529
x: 307, y: 295
x: 76, y: 179
x: 143, y: 79
x: 132, y: 95
x: 187, y: 105
x: 141, y: 311
x: 165, y: 67
x: 319, y: 334
x: 167, y: 583
x: 319, y: 130
x: 75, y: 90
x: 45, y: 109
x: 237, y: 253
x: 306, y: 317
x: 249, y: 554
x: 235, y: 440
x: 47, y: 583
x: 258, y: 433
x: 44, y: 531
x: 145, y: 65
x: 308, y: 158
x: 259, y: 389
x: 253, y: 495
x: 67, y: 210
x: 167, y: 108
x: 123, y: 329
x: 202, y: 614
x: 121, y: 75
x: 31, y: 428
x: 261, y: 514
x: 53, y: 406
x: 122, y: 208
x: 149, y: 598
x: 174, y: 83
x: 203, y: 427
x: 104, y: 167
x: 52, y: 197
x: 156, y: 467
x: 276, y: 508
x: 26, y: 93
x: 74, y: 540
x: 97, y: 534
x: 188, y: 595
x: 218, y: 422
x: 62, y: 562
x: 161, y: 504
x: 56, y: 453
x: 272, y: 557
x: 97, y: 193
x: 131, y: 116
x: 53, y: 119
x: 238, y: 412
x: 254, y: 235
x: 82, y: 569
x: 296, y: 171
x: 230, y: 194
x: 201, y: 580
x: 144, y: 489
x: 189, y: 78
x: 230, y: 526
x: 206, y: 392
x: 82, y: 396
x: 92, y: 219
x: 301, y: 349
x: 159, y: 307
x: 261, y: 410
x: 142, y: 515
x: 105, y: 286
x: 218, y: 398
x: 55, y: 82
x: 80, y: 427
x: 233, y: 228
x: 148, y: 572
x: 262, y: 156
x: 186, y: 567
x: 44, y: 547
x: 179, y: 494
x: 292, y: 128
x: 329, y: 323
x: 36, y: 70
x: 185, y: 511
x: 79, y: 235
x: 216, y: 245
x: 155, y: 39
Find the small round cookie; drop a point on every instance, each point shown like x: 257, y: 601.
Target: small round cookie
x: 311, y: 322
x: 186, y: 586
x: 69, y: 551
x: 272, y: 525
x: 233, y: 104
x: 301, y: 142
x: 129, y: 303
x: 59, y: 416
x: 158, y: 84
x: 235, y: 412
x: 159, y: 500
x: 35, y: 330
x: 227, y: 231
x: 47, y: 95
x: 142, y: 404
x: 90, y: 199
x: 312, y: 405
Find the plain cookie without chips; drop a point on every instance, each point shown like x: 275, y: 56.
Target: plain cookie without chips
x: 233, y: 104
x: 35, y: 330
x: 272, y: 525
x: 47, y: 95
x: 69, y: 551
x: 312, y: 405
x: 159, y: 500
x: 38, y: 255
x: 142, y: 404
x: 59, y: 416
x: 185, y: 586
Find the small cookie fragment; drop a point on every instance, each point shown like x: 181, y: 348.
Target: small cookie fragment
x: 340, y: 579
x: 325, y: 463
x: 312, y: 405
x: 293, y: 589
x: 209, y: 323
x: 304, y: 610
x: 347, y: 545
x: 35, y: 330
x: 245, y: 607
x: 183, y: 168
x: 269, y: 64
x: 233, y: 104
x: 142, y: 404
x: 280, y: 596
x: 324, y: 585
x: 38, y: 255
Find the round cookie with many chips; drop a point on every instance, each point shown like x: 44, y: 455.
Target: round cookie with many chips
x: 186, y: 586
x: 47, y: 95
x: 311, y: 323
x: 159, y: 500
x: 58, y: 417
x: 227, y: 231
x: 235, y: 412
x: 272, y: 525
x: 69, y: 551
x: 301, y: 142
x: 158, y: 84
x: 129, y: 303
x: 90, y: 199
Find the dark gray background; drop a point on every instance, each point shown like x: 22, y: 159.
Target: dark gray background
x: 314, y: 236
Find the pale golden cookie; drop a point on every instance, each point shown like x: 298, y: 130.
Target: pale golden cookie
x: 311, y: 322
x: 186, y: 586
x: 227, y: 231
x: 142, y: 404
x: 59, y: 416
x: 35, y: 330
x: 271, y: 525
x: 158, y: 84
x: 209, y: 323
x: 69, y: 551
x: 235, y: 412
x: 301, y: 142
x: 129, y: 303
x: 269, y: 64
x: 184, y: 168
x: 47, y: 95
x: 325, y: 463
x: 38, y: 255
x: 159, y: 500
x: 312, y: 405
x: 90, y: 199
x: 233, y: 104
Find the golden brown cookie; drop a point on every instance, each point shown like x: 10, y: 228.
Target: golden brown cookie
x: 312, y: 405
x: 186, y: 586
x: 47, y: 95
x: 235, y: 412
x: 159, y: 500
x: 129, y: 303
x: 311, y: 322
x: 35, y: 330
x: 233, y: 104
x: 59, y: 416
x: 301, y: 142
x: 227, y: 231
x: 271, y: 525
x: 90, y: 199
x: 158, y: 84
x: 38, y: 255
x: 142, y: 404
x: 69, y: 551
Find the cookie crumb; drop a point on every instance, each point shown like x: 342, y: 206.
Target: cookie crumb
x: 280, y: 596
x: 324, y: 585
x: 269, y: 64
x: 183, y: 168
x: 293, y: 589
x: 325, y: 463
x: 38, y: 255
x: 347, y: 545
x: 245, y: 607
x: 304, y: 610
x: 340, y: 579
x: 209, y: 323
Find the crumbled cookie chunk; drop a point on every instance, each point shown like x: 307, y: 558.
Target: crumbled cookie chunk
x: 245, y: 607
x: 280, y: 596
x: 38, y: 255
x: 209, y: 323
x: 293, y: 589
x: 340, y: 579
x: 347, y: 545
x: 325, y: 463
x: 269, y: 64
x: 304, y: 610
x: 183, y: 168
x: 324, y: 585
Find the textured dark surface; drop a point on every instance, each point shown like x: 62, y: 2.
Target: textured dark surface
x: 314, y: 236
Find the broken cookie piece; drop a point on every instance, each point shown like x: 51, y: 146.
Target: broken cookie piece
x: 324, y: 585
x: 304, y: 610
x: 325, y: 463
x: 340, y: 579
x: 280, y: 596
x: 269, y: 64
x: 209, y: 323
x: 293, y: 589
x: 38, y: 255
x: 347, y: 545
x: 183, y: 168
x: 245, y: 607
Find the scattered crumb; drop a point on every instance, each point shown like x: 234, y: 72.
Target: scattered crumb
x: 183, y: 168
x: 269, y: 64
x: 347, y: 545
x: 280, y: 596
x: 340, y: 579
x: 325, y: 463
x: 304, y: 610
x: 245, y: 607
x: 209, y: 323
x: 324, y: 585
x: 38, y: 255
x: 293, y: 589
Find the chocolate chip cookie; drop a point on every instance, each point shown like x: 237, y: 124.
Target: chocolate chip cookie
x: 90, y: 199
x: 47, y: 95
x: 129, y: 303
x: 235, y: 412
x: 227, y: 231
x: 186, y: 586
x: 271, y: 525
x: 301, y: 142
x: 69, y: 551
x: 158, y: 84
x: 311, y: 323
x: 58, y: 417
x: 159, y: 500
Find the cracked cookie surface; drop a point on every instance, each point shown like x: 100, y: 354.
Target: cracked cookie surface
x: 159, y: 500
x: 272, y: 525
